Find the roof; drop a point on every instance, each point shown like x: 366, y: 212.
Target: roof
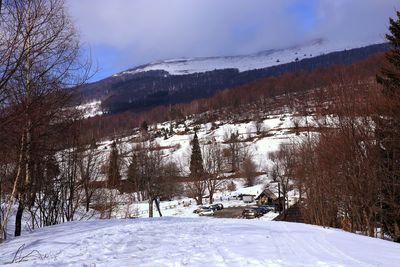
x: 268, y: 193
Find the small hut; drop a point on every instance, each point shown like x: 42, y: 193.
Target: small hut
x: 266, y: 197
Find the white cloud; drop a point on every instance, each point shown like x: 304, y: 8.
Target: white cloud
x: 354, y: 20
x: 145, y: 30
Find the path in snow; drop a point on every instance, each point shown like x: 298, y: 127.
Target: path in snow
x: 198, y: 242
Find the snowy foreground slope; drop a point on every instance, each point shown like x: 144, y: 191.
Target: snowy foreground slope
x: 196, y: 242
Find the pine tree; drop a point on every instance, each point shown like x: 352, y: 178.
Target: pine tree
x: 388, y: 134
x: 133, y: 173
x: 390, y: 77
x: 196, y: 160
x: 144, y: 126
x: 133, y: 169
x: 198, y: 185
x: 114, y: 176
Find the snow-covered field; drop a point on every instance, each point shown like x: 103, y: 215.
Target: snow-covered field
x: 195, y: 242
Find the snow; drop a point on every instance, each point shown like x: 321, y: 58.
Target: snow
x: 251, y: 190
x: 276, y: 126
x: 196, y: 242
x: 182, y: 237
x: 184, y: 206
x: 268, y: 58
x: 90, y: 109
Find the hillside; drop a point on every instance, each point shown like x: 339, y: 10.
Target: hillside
x: 195, y: 242
x: 264, y: 95
x: 259, y: 60
x: 153, y: 85
x: 258, y: 138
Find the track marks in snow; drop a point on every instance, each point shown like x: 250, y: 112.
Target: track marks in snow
x: 199, y: 242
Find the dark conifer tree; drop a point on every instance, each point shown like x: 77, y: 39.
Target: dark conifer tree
x: 133, y: 173
x: 114, y: 176
x: 196, y: 160
x: 388, y: 133
x: 197, y: 171
x: 133, y: 169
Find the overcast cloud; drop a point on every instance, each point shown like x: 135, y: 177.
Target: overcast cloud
x: 125, y: 33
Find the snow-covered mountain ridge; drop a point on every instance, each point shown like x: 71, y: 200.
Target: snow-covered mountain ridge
x: 263, y: 59
x: 171, y: 82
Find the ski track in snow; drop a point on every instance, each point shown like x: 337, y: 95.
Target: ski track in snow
x: 198, y: 242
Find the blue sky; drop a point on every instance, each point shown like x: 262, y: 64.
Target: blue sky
x: 306, y: 14
x: 121, y: 34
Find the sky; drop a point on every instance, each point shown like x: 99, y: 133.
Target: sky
x: 122, y: 34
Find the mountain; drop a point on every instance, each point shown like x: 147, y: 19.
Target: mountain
x: 259, y: 60
x: 182, y: 80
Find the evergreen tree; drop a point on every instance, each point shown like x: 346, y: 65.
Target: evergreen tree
x: 114, y: 176
x: 133, y: 169
x: 144, y: 126
x: 388, y: 134
x: 196, y: 160
x: 133, y: 173
x: 198, y: 184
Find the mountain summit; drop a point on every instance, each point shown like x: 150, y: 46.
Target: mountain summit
x: 181, y: 80
x: 259, y: 60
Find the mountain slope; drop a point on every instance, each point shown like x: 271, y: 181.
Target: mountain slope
x: 149, y: 86
x: 242, y: 63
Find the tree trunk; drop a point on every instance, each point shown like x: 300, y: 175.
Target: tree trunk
x: 279, y: 198
x: 150, y: 207
x: 87, y: 197
x: 396, y: 237
x: 199, y: 199
x: 10, y: 203
x: 18, y: 219
x: 158, y: 206
x: 211, y: 197
x: 284, y: 204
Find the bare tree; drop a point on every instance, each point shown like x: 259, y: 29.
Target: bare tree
x: 283, y: 162
x: 213, y: 162
x: 13, y: 44
x: 47, y: 49
x: 89, y: 162
x: 337, y: 168
x: 249, y: 170
x: 155, y: 174
x: 234, y: 147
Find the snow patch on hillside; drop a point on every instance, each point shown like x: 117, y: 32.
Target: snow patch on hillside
x: 90, y: 109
